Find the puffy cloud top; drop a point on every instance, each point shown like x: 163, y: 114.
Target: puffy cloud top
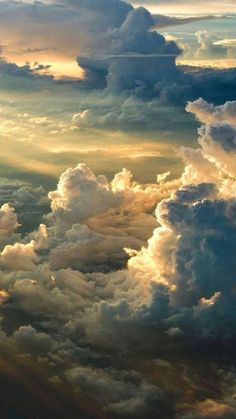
x: 207, y: 112
x: 81, y: 194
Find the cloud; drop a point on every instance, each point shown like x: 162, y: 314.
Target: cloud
x: 29, y: 203
x: 19, y: 256
x: 208, y: 46
x: 124, y: 393
x: 59, y: 26
x: 29, y: 339
x: 207, y: 112
x: 217, y: 138
x: 81, y: 194
x: 135, y: 49
x: 161, y: 21
x: 23, y: 77
x: 8, y: 224
x: 203, y: 5
x: 185, y: 262
x: 90, y: 251
x: 190, y: 254
x: 79, y: 305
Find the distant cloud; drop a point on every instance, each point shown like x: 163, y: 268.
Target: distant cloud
x: 201, y: 7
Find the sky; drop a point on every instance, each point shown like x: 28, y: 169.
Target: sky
x: 117, y: 209
x: 182, y: 7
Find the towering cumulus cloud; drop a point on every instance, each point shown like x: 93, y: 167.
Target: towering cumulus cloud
x: 71, y: 302
x: 191, y: 254
x: 132, y: 56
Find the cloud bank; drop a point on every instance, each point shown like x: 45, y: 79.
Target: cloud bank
x: 124, y: 296
x: 130, y: 71
x: 79, y: 302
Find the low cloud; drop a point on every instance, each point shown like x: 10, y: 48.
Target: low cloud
x: 79, y: 304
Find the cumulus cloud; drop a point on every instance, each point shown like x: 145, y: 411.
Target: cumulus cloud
x: 8, y: 224
x: 80, y: 306
x: 207, y: 45
x: 207, y: 112
x: 23, y: 77
x: 217, y: 137
x: 142, y: 55
x: 19, y: 256
x: 136, y: 100
x: 191, y: 252
x: 124, y: 393
x: 81, y: 194
x: 84, y: 227
x: 29, y: 339
x: 93, y: 220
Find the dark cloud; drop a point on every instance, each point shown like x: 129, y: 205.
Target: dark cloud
x: 125, y: 56
x: 24, y: 77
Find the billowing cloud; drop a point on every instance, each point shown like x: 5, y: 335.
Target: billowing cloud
x: 93, y: 220
x: 208, y: 46
x: 124, y: 393
x: 8, y: 224
x: 79, y: 304
x: 189, y: 253
x: 19, y: 256
x: 207, y: 112
x: 136, y: 50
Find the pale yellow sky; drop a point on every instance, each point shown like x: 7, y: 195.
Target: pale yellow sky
x: 182, y: 7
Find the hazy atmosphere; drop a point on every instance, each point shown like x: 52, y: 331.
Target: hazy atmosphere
x: 118, y: 209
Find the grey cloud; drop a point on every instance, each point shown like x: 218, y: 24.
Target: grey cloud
x: 124, y: 392
x: 161, y: 21
x: 30, y: 203
x: 86, y: 250
x: 123, y: 57
x: 221, y: 134
x: 31, y: 340
x: 193, y: 248
x: 132, y: 38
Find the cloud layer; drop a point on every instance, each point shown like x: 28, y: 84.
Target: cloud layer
x: 79, y: 304
x: 120, y: 301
